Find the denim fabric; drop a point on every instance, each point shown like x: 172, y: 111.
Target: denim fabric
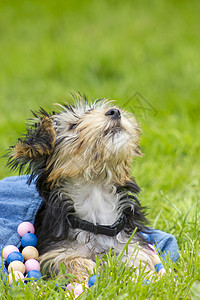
x: 20, y: 202
x: 165, y: 243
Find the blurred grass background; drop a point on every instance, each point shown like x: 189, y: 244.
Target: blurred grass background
x: 110, y: 49
x: 114, y: 49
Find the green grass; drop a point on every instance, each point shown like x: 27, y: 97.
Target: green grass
x: 115, y: 49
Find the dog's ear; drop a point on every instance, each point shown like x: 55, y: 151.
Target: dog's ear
x: 37, y: 143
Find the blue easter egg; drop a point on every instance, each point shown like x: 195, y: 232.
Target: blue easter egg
x: 92, y: 280
x: 29, y: 239
x: 146, y: 282
x: 15, y: 256
x: 62, y: 286
x: 158, y: 267
x: 34, y: 274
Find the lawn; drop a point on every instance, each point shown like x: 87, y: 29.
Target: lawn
x: 146, y: 55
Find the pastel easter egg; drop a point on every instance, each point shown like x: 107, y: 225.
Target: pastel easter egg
x: 8, y: 249
x: 32, y: 264
x: 158, y: 267
x: 78, y: 290
x: 69, y: 287
x: 92, y: 280
x: 34, y: 274
x: 15, y: 256
x: 29, y: 239
x: 16, y: 266
x: 25, y: 227
x: 30, y: 252
x: 17, y: 275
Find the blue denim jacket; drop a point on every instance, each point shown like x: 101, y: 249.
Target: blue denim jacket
x: 20, y: 202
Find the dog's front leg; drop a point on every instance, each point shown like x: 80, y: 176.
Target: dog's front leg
x: 80, y: 267
x: 157, y: 262
x: 76, y: 263
x: 146, y: 257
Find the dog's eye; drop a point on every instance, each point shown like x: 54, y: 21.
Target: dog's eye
x: 72, y: 126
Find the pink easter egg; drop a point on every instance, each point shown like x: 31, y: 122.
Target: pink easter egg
x: 25, y: 227
x: 78, y: 289
x: 70, y: 287
x: 162, y: 272
x: 17, y: 275
x: 32, y: 264
x: 9, y: 249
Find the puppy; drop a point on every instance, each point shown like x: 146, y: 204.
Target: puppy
x: 80, y: 159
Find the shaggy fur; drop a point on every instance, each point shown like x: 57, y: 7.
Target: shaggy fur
x: 80, y: 159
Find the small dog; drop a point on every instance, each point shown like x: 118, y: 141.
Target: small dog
x: 80, y: 159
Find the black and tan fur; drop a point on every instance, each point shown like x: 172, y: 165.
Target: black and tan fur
x: 80, y: 159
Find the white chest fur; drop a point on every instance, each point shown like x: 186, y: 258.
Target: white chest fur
x: 95, y: 203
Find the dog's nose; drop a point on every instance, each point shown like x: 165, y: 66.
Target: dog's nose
x: 114, y: 113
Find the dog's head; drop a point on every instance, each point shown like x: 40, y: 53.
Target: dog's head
x: 95, y: 140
